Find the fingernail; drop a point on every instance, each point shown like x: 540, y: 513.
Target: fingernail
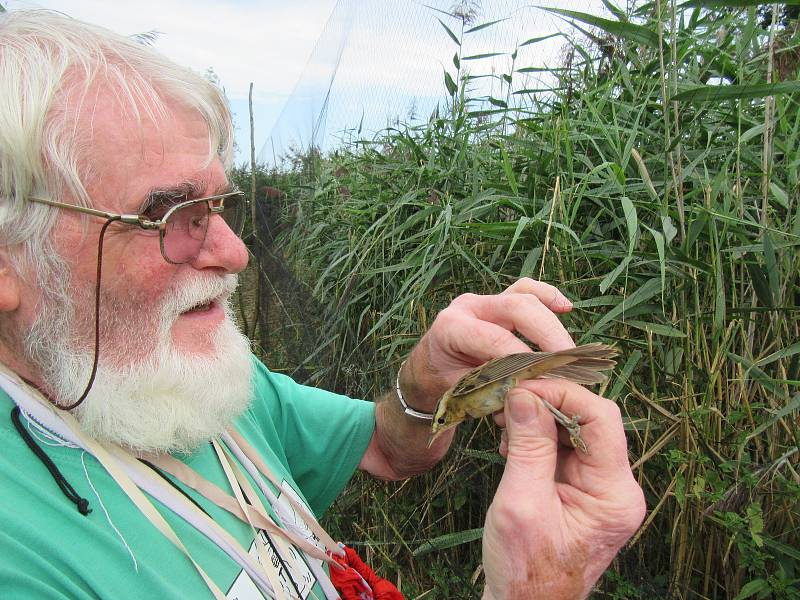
x: 523, y: 407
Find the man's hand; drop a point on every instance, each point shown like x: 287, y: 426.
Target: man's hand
x: 559, y: 516
x: 470, y: 331
x: 474, y: 329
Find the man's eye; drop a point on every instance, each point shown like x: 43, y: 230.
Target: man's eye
x: 155, y: 214
x: 159, y: 207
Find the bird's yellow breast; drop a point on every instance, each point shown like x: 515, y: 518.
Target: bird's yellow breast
x: 487, y: 399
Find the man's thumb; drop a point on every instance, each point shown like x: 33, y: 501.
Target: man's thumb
x: 532, y: 436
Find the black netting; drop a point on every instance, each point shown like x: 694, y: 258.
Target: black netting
x: 380, y: 63
x: 377, y: 64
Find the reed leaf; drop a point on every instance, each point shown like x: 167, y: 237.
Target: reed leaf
x: 449, y: 541
x: 629, y: 31
x: 718, y: 93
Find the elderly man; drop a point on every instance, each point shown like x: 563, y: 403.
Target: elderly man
x: 147, y: 454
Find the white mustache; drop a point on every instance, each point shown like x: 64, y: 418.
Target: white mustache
x: 198, y: 291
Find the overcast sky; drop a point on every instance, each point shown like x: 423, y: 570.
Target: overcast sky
x: 264, y: 41
x: 237, y: 38
x: 269, y: 42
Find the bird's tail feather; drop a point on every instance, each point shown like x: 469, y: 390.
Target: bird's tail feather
x: 587, y: 368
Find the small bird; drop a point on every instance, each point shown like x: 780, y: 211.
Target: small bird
x: 483, y: 390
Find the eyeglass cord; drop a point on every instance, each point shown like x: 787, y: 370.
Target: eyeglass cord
x: 64, y: 485
x: 96, y: 315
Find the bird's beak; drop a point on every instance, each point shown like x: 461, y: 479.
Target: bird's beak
x: 436, y: 434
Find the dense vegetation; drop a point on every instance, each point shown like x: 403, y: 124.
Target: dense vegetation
x: 657, y: 185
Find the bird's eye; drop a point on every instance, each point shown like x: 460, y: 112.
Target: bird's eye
x: 440, y: 420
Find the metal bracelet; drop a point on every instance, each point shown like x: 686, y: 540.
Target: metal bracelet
x: 406, y: 408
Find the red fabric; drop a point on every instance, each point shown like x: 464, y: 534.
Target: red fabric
x: 357, y: 581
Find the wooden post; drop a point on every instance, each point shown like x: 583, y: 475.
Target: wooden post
x: 252, y: 162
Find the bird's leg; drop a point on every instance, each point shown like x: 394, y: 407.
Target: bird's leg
x: 571, y: 424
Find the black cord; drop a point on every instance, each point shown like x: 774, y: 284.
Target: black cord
x: 173, y: 484
x: 63, y: 484
x: 96, y: 315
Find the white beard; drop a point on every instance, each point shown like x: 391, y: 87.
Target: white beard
x: 169, y: 401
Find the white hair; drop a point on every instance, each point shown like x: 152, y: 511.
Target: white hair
x: 47, y: 58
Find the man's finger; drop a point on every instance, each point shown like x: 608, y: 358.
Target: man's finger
x: 549, y: 295
x: 523, y: 313
x: 482, y: 341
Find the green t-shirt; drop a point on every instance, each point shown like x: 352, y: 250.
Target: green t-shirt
x: 312, y: 440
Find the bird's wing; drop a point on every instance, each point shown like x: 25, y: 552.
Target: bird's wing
x: 581, y: 364
x: 496, y: 369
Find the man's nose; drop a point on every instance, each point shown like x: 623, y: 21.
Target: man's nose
x: 222, y: 248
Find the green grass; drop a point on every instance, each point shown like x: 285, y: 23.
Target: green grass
x: 667, y: 209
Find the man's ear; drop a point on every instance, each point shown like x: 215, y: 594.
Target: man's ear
x: 9, y: 285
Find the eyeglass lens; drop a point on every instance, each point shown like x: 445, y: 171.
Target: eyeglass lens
x: 186, y: 228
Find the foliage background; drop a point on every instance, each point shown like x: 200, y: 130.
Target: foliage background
x: 656, y: 184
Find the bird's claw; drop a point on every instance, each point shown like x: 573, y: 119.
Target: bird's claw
x: 571, y: 424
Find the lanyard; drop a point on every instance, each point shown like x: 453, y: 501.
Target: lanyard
x: 134, y: 478
x: 272, y: 573
x: 255, y: 465
x: 249, y: 513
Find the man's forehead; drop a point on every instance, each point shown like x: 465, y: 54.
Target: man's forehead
x: 108, y: 110
x: 128, y: 150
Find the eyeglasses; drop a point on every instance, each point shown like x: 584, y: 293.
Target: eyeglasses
x: 183, y: 227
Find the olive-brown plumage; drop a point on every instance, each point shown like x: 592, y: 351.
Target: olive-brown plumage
x: 483, y: 390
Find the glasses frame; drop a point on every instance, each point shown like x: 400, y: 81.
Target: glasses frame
x: 161, y: 224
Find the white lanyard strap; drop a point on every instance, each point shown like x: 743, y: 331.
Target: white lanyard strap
x: 254, y: 464
x: 258, y: 469
x: 309, y: 548
x: 254, y: 513
x: 272, y: 572
x: 165, y: 494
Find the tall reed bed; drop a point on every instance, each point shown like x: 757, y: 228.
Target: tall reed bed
x: 657, y: 185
